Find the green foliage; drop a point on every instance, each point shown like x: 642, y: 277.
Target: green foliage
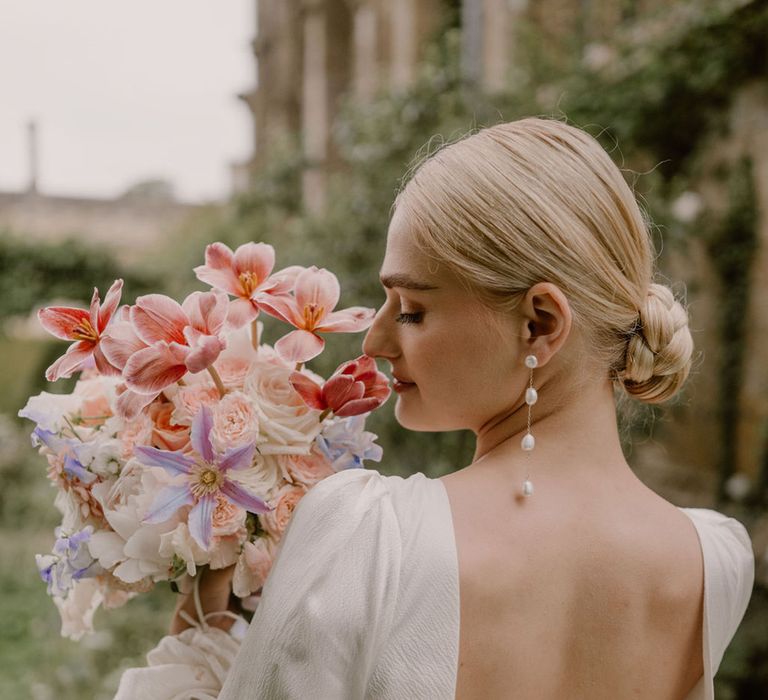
x: 669, y: 92
x: 732, y: 245
x: 35, y: 661
x: 31, y: 274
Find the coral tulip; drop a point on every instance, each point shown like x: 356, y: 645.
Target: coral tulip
x: 85, y: 328
x: 355, y: 387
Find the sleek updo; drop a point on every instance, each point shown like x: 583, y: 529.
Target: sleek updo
x: 538, y: 200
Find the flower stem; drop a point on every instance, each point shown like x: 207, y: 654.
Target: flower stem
x: 196, y: 594
x: 254, y: 334
x: 72, y: 428
x: 324, y: 414
x: 217, y: 381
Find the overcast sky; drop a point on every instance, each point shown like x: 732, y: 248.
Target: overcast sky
x: 125, y: 90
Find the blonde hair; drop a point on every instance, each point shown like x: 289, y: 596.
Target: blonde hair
x: 539, y: 200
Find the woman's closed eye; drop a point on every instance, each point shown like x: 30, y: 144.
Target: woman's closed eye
x: 409, y: 318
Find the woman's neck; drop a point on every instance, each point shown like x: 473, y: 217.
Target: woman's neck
x: 574, y: 437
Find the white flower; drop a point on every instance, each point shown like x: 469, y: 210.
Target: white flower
x: 69, y: 507
x: 78, y: 608
x: 182, y: 544
x: 132, y: 550
x: 192, y: 664
x: 263, y: 479
x: 102, y: 456
x: 49, y: 410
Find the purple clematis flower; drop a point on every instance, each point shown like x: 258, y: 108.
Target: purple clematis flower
x: 206, y: 479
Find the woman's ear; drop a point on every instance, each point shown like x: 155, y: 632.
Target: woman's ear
x: 546, y: 318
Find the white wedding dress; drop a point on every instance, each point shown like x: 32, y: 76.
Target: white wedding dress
x: 363, y: 601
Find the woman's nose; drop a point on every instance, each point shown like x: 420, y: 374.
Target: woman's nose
x: 379, y: 340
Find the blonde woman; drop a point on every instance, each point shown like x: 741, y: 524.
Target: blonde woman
x: 545, y: 569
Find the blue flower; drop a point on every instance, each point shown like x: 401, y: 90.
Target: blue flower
x: 345, y: 444
x: 69, y: 561
x: 69, y: 447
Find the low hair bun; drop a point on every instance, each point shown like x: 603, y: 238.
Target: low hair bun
x: 659, y: 348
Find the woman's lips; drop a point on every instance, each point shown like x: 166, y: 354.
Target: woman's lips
x: 400, y: 386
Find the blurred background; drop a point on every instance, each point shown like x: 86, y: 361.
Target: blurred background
x: 133, y: 134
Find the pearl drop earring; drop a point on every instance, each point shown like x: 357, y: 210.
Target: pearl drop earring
x: 528, y: 442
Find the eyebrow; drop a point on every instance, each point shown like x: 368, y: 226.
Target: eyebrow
x: 404, y: 282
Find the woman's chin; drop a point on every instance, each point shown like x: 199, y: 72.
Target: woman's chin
x: 411, y: 418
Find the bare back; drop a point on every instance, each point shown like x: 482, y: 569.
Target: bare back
x: 575, y: 595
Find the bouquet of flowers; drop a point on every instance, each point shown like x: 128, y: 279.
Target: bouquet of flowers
x: 187, y: 442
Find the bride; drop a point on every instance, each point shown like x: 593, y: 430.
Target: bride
x: 520, y: 302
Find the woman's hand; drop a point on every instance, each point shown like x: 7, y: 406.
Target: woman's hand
x: 215, y: 587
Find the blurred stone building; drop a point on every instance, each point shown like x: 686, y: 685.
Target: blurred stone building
x: 126, y: 225
x: 309, y: 53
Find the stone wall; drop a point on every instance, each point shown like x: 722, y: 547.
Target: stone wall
x: 126, y: 225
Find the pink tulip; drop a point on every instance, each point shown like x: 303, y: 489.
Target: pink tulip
x: 243, y: 274
x: 170, y: 339
x: 120, y: 341
x: 86, y: 328
x: 355, y: 387
x: 310, y: 310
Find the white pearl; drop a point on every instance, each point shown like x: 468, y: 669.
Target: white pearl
x: 531, y: 396
x: 527, y: 488
x: 531, y: 361
x: 528, y: 442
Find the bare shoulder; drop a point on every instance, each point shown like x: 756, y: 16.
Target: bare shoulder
x: 624, y: 538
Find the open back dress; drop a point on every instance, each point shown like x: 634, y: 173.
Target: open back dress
x: 363, y: 598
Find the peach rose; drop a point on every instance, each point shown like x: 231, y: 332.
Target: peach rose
x: 188, y: 400
x: 235, y: 421
x: 167, y: 435
x: 135, y: 432
x: 227, y: 518
x: 306, y: 469
x: 285, y: 501
x: 233, y: 370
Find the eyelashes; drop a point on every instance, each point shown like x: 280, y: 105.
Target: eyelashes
x: 409, y: 318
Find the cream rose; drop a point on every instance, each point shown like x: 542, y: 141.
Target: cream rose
x: 286, y: 424
x: 263, y: 479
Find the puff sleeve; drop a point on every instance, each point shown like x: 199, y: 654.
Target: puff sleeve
x: 328, y: 604
x: 729, y: 579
